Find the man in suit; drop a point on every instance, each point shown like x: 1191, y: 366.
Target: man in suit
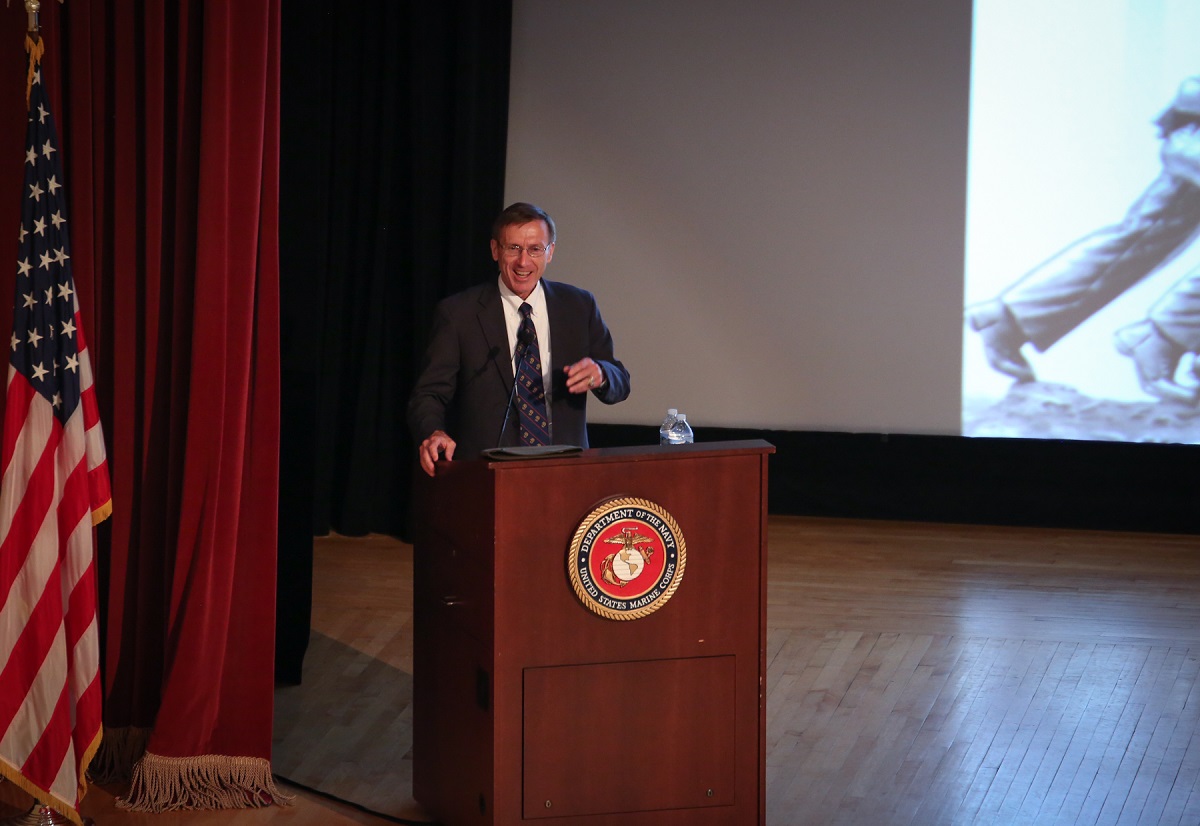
x: 461, y: 403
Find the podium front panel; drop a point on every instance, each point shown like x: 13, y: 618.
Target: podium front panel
x: 688, y: 677
x: 629, y: 737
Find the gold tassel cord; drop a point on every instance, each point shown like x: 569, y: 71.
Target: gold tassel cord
x: 35, y: 58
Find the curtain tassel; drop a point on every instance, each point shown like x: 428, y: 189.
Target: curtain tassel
x: 119, y: 752
x: 211, y: 781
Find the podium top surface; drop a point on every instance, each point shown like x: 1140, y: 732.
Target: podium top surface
x: 631, y: 453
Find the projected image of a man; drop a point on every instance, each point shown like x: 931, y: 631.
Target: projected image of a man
x: 1060, y: 294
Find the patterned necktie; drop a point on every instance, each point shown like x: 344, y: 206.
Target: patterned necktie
x: 535, y: 424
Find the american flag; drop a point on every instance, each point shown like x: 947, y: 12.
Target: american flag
x: 54, y: 488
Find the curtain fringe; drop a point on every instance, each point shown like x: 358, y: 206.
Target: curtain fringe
x: 210, y: 781
x: 119, y: 752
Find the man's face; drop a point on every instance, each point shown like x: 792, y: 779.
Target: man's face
x: 518, y: 268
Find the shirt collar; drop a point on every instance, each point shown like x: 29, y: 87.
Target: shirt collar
x: 536, y: 300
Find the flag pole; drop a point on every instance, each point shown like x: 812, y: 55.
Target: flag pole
x: 39, y: 814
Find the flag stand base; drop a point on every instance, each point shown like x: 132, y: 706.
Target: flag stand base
x: 39, y: 815
x: 49, y: 817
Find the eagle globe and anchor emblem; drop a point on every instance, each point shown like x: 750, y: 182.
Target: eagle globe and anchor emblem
x: 626, y: 559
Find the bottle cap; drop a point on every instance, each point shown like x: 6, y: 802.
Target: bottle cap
x: 682, y: 417
x: 671, y: 411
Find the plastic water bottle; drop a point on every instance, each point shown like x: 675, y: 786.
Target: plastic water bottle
x: 681, y: 433
x: 664, y: 430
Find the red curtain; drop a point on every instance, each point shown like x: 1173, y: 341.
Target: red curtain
x: 169, y: 117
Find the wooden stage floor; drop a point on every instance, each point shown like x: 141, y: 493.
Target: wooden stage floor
x: 917, y: 674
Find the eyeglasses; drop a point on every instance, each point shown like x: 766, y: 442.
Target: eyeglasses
x: 515, y: 250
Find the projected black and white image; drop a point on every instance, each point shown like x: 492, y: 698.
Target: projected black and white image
x: 1081, y: 152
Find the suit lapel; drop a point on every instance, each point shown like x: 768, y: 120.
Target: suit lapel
x: 562, y: 338
x: 491, y: 322
x: 559, y: 325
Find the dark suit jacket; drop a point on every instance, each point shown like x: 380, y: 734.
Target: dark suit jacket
x: 467, y: 375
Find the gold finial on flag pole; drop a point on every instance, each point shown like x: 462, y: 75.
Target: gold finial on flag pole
x: 32, y: 7
x: 33, y: 44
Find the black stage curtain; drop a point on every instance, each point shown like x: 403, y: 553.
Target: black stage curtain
x: 394, y: 124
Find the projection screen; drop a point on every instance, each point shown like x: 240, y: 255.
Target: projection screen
x: 789, y: 211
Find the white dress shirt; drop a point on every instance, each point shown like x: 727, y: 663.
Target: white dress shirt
x: 541, y: 324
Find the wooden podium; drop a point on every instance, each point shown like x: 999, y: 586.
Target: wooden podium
x: 532, y: 707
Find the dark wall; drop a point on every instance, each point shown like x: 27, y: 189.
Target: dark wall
x: 1024, y: 482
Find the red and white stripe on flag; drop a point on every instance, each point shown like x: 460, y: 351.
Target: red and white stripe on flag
x: 54, y: 487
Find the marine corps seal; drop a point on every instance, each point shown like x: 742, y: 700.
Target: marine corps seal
x: 626, y: 559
